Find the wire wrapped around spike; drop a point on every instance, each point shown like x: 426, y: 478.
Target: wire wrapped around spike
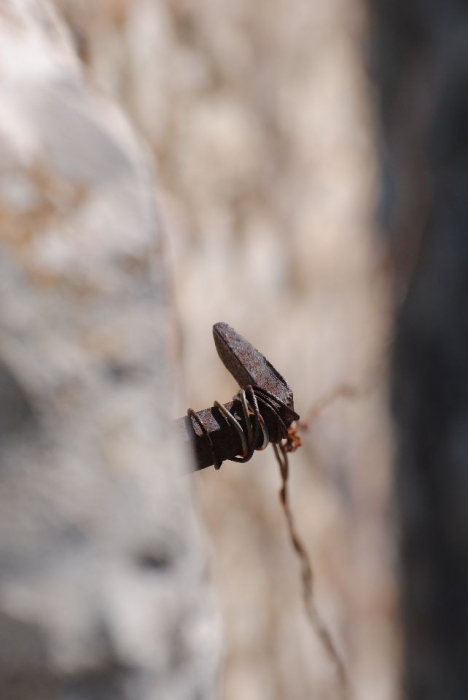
x: 250, y: 399
x: 193, y: 415
x: 253, y: 420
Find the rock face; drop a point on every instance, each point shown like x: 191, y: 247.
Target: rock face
x: 259, y: 116
x: 102, y: 593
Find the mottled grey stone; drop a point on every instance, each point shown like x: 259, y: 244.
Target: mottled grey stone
x: 102, y: 579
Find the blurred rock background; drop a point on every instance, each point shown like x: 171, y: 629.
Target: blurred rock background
x: 103, y: 586
x: 261, y: 122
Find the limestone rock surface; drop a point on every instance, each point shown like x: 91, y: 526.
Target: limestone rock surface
x: 102, y: 585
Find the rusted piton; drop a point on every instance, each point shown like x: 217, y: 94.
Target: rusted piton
x: 213, y: 437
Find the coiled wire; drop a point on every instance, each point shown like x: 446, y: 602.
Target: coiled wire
x: 249, y: 399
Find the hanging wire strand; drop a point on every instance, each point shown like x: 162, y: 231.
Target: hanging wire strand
x: 286, y: 440
x: 281, y: 451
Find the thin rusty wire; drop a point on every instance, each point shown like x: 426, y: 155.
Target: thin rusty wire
x: 343, y: 391
x: 254, y: 423
x: 288, y: 440
x: 249, y: 403
x: 281, y: 451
